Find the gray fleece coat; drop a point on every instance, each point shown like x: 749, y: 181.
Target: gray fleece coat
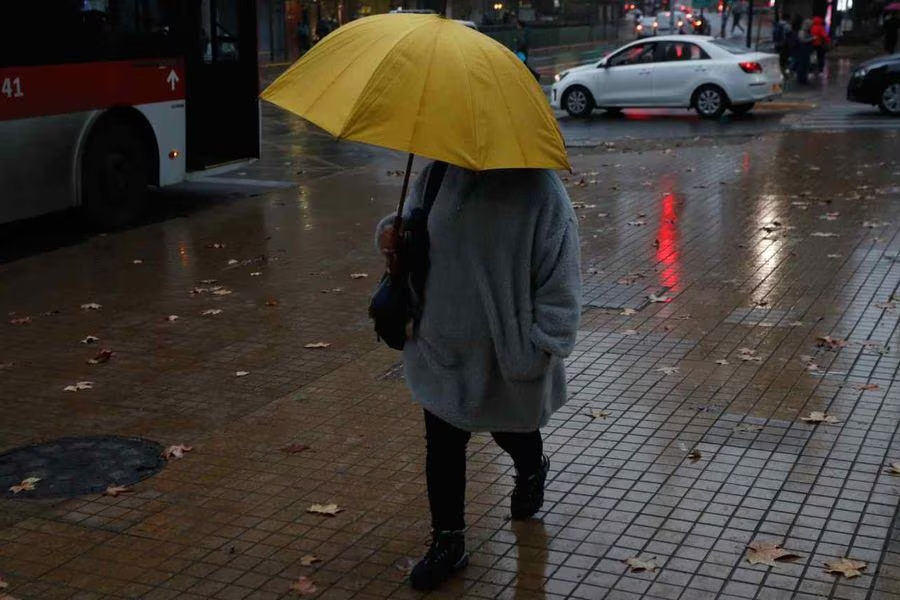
x: 502, y: 300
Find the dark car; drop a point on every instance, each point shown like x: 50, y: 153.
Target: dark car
x: 877, y: 82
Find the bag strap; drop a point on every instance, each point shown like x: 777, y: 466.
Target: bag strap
x: 435, y: 178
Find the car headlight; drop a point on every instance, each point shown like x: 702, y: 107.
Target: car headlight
x: 861, y: 72
x: 560, y: 76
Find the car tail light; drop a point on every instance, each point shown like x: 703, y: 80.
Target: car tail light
x: 751, y: 67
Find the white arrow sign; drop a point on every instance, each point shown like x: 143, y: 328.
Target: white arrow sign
x: 172, y: 79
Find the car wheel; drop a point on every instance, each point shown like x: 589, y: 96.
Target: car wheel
x: 115, y: 175
x: 578, y: 101
x: 889, y: 102
x: 710, y: 101
x: 742, y: 109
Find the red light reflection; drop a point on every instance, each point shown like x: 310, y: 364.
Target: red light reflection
x: 667, y: 253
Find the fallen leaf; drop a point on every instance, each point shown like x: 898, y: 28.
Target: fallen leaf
x: 765, y: 553
x: 176, y: 452
x: 636, y: 565
x: 749, y: 355
x: 868, y: 387
x: 627, y: 312
x: 597, y: 413
x: 81, y: 385
x: 216, y: 246
x: 667, y: 370
x: 115, y: 490
x: 20, y: 321
x: 818, y: 416
x: 747, y: 428
x: 832, y: 343
x: 324, y: 509
x: 241, y: 373
x: 630, y: 278
x: 655, y: 298
x: 255, y: 273
x: 404, y: 564
x: 796, y: 324
x: 172, y: 318
x: 295, y: 448
x: 211, y: 312
x: 722, y: 361
x: 823, y: 234
x: 272, y: 302
x: 831, y: 216
x: 137, y: 261
x: 847, y: 567
x: 222, y: 292
x: 101, y: 358
x: 894, y: 468
x: 91, y: 306
x: 27, y: 485
x: 304, y: 586
x: 317, y: 345
x: 694, y: 455
x: 874, y: 224
x: 90, y: 339
x: 835, y: 255
x: 358, y: 275
x: 630, y: 332
x: 309, y: 560
x: 637, y: 223
x: 233, y: 261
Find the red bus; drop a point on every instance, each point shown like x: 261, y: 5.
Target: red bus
x: 101, y: 99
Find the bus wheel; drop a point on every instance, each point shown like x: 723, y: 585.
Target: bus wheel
x: 115, y: 175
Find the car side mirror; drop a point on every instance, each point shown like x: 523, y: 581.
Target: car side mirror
x: 602, y: 65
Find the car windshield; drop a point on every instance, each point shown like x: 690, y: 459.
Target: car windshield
x: 730, y: 47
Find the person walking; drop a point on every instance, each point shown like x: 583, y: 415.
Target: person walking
x: 781, y: 37
x: 501, y: 312
x: 803, y: 52
x: 821, y: 42
x: 891, y: 26
x: 737, y: 11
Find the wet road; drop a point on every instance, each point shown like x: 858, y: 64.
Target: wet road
x: 761, y: 244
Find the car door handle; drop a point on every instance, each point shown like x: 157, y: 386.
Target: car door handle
x: 700, y: 69
x: 644, y: 72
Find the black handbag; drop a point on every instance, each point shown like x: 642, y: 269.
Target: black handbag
x: 399, y: 299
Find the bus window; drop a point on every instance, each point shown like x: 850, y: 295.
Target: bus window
x: 220, y: 31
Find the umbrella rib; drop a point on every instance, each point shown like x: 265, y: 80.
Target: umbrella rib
x: 365, y: 100
x: 470, y: 99
x: 509, y: 110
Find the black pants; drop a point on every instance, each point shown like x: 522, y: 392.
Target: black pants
x: 445, y: 467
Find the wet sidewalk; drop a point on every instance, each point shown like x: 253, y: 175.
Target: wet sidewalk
x: 731, y: 290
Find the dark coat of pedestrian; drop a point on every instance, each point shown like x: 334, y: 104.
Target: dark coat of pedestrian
x: 803, y: 50
x: 501, y: 312
x: 891, y: 26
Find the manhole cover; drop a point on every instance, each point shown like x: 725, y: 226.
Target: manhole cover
x: 72, y: 467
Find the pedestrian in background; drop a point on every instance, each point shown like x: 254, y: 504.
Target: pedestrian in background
x: 737, y: 11
x: 891, y: 25
x: 501, y: 311
x: 803, y: 51
x: 821, y: 42
x: 782, y: 38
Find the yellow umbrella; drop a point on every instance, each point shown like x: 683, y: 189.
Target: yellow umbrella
x: 425, y: 85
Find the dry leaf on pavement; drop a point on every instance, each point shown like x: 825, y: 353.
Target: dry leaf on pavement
x: 722, y: 361
x: 216, y: 246
x: 81, y: 385
x: 358, y: 275
x: 211, y: 312
x: 91, y: 306
x: 749, y: 355
x: 823, y: 234
x: 255, y: 273
x: 667, y: 370
x: 766, y: 553
x: 241, y: 373
x: 115, y: 490
x: 655, y: 298
x: 596, y: 413
x: 630, y: 332
x: 295, y: 448
x: 304, y: 586
x: 694, y: 455
x: 404, y: 564
x: 894, y: 468
x: 847, y: 567
x: 101, y: 358
x: 177, y: 451
x: 222, y: 292
x: 27, y: 485
x: 272, y: 302
x: 627, y: 312
x: 317, y: 345
x: 635, y: 564
x: 20, y: 321
x: 172, y: 318
x: 831, y: 343
x: 309, y: 560
x: 868, y: 387
x: 818, y: 416
x: 90, y: 339
x: 747, y: 428
x: 324, y: 509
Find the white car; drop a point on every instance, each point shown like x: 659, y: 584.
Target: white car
x: 668, y: 22
x: 689, y: 71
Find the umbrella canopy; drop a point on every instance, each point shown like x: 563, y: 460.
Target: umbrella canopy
x: 425, y: 85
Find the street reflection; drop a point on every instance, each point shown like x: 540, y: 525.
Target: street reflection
x: 667, y: 254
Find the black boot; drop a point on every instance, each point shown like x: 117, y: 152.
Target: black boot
x: 528, y: 496
x: 446, y: 556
